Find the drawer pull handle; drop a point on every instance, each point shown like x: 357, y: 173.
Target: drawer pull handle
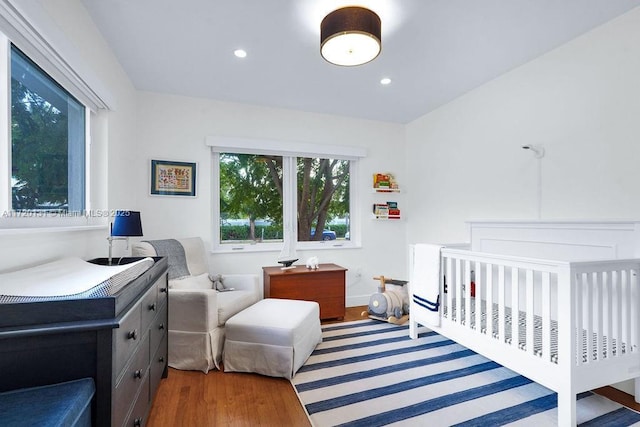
x: 137, y: 374
x: 161, y: 326
x: 137, y: 422
x: 163, y: 290
x: 152, y: 307
x: 133, y: 335
x: 161, y: 359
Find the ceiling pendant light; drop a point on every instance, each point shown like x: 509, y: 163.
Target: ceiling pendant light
x: 350, y: 36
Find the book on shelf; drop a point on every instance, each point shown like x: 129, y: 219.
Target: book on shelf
x: 386, y: 211
x: 384, y: 182
x: 380, y: 210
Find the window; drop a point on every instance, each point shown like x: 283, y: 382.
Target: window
x: 278, y: 197
x: 47, y: 142
x: 251, y: 203
x: 322, y: 199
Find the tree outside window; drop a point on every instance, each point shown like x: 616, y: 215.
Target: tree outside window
x: 252, y: 203
x: 250, y: 195
x: 47, y: 141
x: 323, y: 198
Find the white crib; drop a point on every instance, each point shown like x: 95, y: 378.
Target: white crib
x: 569, y: 323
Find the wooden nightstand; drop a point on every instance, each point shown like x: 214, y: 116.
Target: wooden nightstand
x: 326, y: 286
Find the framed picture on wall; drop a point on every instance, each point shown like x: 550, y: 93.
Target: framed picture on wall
x: 169, y: 178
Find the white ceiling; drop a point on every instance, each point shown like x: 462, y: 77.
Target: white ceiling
x: 433, y: 50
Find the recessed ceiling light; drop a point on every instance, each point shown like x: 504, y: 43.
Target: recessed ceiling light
x: 240, y: 53
x: 385, y: 81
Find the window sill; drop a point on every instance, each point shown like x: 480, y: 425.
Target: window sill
x: 239, y: 249
x: 60, y: 229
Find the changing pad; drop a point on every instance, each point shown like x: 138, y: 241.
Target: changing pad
x: 68, y: 277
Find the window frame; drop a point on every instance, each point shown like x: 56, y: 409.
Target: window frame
x: 16, y: 220
x: 290, y: 152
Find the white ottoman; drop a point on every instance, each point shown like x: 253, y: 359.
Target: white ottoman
x: 272, y: 337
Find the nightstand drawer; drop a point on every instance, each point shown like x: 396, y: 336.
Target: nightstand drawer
x: 126, y: 338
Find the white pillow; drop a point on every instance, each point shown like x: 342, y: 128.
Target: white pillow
x: 201, y: 281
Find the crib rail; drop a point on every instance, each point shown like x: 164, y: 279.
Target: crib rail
x: 545, y: 308
x: 606, y: 301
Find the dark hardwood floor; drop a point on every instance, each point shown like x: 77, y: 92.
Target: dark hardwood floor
x: 191, y: 398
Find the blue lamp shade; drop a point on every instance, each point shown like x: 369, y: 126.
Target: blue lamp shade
x: 126, y: 223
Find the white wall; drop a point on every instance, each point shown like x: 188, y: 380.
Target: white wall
x: 113, y: 135
x: 174, y: 128
x: 144, y: 126
x: 580, y: 101
x: 460, y: 162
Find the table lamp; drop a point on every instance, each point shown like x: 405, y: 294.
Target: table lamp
x: 125, y: 224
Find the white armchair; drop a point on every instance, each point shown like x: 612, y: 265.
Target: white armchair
x: 197, y: 312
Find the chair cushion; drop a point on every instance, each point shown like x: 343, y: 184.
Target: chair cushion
x: 231, y: 303
x: 192, y: 282
x: 197, y: 259
x: 142, y: 249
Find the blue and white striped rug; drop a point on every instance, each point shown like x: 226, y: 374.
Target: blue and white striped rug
x: 370, y: 373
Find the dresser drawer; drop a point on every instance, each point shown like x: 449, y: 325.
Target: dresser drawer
x: 128, y: 385
x: 126, y: 338
x: 158, y: 364
x: 158, y: 328
x: 161, y: 286
x: 149, y: 306
x: 138, y: 415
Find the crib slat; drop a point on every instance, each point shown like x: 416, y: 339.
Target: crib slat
x: 634, y: 321
x: 616, y: 313
x: 568, y: 307
x: 515, y: 304
x: 467, y: 294
x: 608, y: 292
x: 450, y: 284
x: 501, y: 304
x: 458, y: 282
x: 546, y: 316
x: 489, y: 299
x: 529, y: 308
x: 579, y: 337
x: 619, y: 296
x: 598, y: 295
x: 478, y: 295
x: 586, y: 283
x: 627, y: 309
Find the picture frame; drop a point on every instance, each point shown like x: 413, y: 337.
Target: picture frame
x: 172, y: 178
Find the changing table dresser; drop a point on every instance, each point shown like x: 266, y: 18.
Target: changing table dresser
x: 119, y: 340
x: 326, y: 286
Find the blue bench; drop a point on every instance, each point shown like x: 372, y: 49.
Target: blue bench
x: 63, y: 404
